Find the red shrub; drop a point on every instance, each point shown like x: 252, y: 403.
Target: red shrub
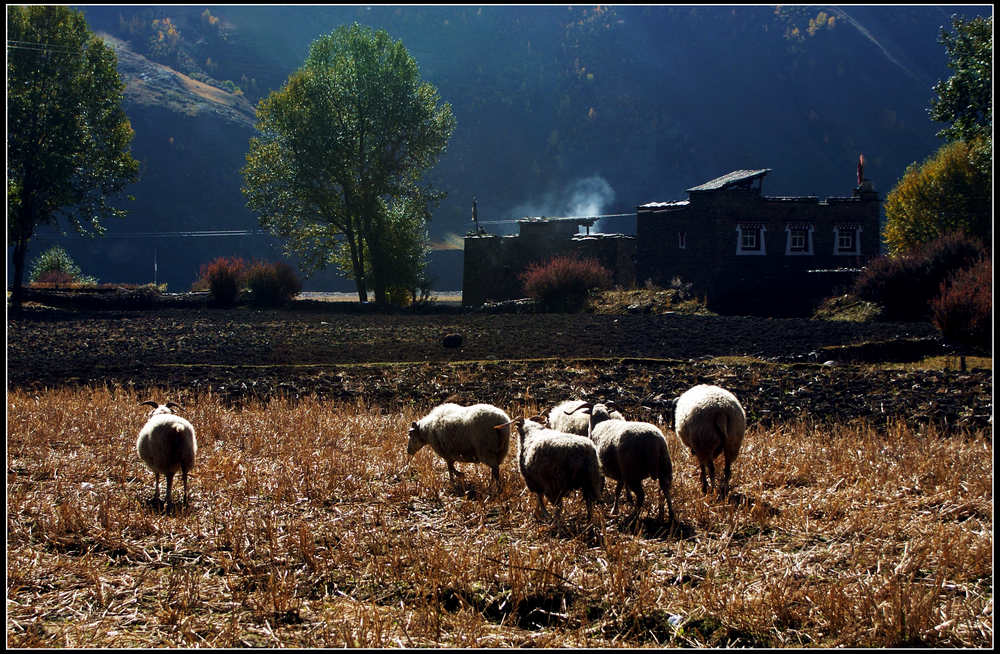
x: 963, y: 309
x: 272, y: 284
x: 223, y: 277
x: 905, y: 284
x: 562, y: 283
x: 54, y: 279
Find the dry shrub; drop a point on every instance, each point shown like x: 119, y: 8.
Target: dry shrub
x: 562, y: 282
x: 272, y: 284
x: 964, y: 309
x: 905, y: 284
x: 223, y: 278
x: 308, y: 526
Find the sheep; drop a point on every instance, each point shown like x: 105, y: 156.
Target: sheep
x: 631, y: 451
x: 563, y: 417
x: 466, y: 434
x: 166, y: 444
x: 709, y: 420
x: 553, y: 463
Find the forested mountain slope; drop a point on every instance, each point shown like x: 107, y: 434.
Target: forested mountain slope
x: 559, y: 110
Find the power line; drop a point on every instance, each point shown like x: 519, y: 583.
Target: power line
x: 178, y: 234
x: 556, y: 219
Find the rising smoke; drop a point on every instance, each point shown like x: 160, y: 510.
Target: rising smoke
x: 588, y: 196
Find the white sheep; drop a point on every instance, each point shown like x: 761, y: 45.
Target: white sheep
x: 466, y: 434
x: 565, y: 417
x: 166, y: 444
x: 631, y: 451
x: 709, y: 420
x: 553, y: 463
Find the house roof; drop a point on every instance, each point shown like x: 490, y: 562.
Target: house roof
x: 735, y: 178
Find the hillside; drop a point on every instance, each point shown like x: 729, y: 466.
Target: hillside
x: 559, y: 109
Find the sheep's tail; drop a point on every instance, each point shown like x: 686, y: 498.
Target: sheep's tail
x: 721, y: 425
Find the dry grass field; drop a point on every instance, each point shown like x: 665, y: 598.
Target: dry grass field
x: 309, y: 526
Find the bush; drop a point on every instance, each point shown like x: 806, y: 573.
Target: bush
x: 563, y: 282
x: 272, y: 284
x: 963, y: 309
x: 905, y: 284
x: 55, y: 267
x: 223, y: 278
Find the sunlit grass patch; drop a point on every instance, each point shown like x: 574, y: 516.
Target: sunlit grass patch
x: 309, y: 526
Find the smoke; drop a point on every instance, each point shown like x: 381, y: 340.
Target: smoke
x: 585, y: 197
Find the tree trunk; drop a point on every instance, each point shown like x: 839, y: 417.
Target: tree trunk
x: 359, y: 268
x: 20, y: 251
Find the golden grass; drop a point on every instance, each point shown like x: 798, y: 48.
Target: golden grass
x: 309, y: 526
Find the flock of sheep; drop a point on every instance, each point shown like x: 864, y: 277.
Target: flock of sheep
x: 574, y: 448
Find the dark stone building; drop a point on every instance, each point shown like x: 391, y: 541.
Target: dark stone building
x: 749, y: 253
x: 493, y: 264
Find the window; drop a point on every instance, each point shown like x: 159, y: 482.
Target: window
x: 799, y: 239
x: 847, y: 239
x: 750, y: 238
x: 682, y: 239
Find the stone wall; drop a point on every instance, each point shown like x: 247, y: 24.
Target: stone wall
x: 493, y: 264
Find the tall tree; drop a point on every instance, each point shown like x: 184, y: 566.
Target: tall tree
x: 67, y: 134
x: 965, y: 100
x: 350, y: 134
x: 946, y: 193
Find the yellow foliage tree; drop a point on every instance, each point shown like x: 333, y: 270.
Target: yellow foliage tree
x: 950, y: 191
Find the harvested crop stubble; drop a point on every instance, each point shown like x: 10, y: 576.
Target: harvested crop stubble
x: 308, y: 528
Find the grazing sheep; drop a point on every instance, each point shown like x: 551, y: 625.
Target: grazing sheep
x: 166, y: 444
x: 467, y: 434
x: 631, y: 451
x: 564, y: 417
x: 553, y: 463
x: 709, y: 420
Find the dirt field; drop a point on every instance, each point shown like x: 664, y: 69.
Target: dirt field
x: 332, y: 351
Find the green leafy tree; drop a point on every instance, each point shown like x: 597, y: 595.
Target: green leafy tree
x: 948, y: 192
x: 965, y: 100
x: 350, y: 134
x: 56, y: 266
x: 67, y: 134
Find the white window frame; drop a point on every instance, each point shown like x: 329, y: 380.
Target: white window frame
x: 855, y: 231
x: 758, y: 230
x: 791, y: 230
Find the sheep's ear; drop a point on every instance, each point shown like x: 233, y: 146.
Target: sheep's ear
x: 542, y: 420
x: 150, y: 403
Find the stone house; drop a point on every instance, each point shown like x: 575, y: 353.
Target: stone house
x: 747, y: 252
x: 493, y: 264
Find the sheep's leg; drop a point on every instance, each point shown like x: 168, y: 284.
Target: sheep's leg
x: 640, y: 498
x: 704, y: 485
x: 711, y: 476
x: 618, y: 491
x: 496, y: 478
x: 184, y: 476
x: 665, y: 490
x: 541, y: 505
x: 724, y: 489
x: 156, y: 489
x: 170, y: 482
x: 454, y: 472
